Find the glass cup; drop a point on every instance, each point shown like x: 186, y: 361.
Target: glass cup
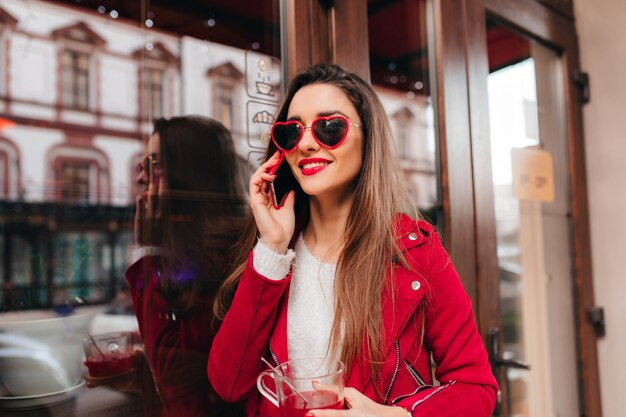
x: 108, y: 354
x: 304, y: 384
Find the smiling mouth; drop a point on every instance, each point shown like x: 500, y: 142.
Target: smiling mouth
x: 312, y: 168
x: 314, y: 165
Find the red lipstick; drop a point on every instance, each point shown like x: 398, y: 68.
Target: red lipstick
x: 311, y: 166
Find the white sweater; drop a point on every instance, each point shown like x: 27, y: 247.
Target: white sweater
x: 310, y: 310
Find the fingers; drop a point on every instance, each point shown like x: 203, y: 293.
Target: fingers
x: 275, y: 227
x: 140, y: 208
x: 259, y: 181
x: 358, y: 405
x: 326, y: 387
x: 336, y: 413
x: 352, y: 397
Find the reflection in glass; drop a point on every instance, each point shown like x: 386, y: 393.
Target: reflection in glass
x: 399, y: 65
x: 68, y: 165
x: 188, y: 215
x: 82, y: 83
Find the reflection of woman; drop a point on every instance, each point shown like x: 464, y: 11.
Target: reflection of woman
x: 187, y: 218
x: 338, y: 271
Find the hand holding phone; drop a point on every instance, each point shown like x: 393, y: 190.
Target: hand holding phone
x: 283, y: 183
x: 275, y: 226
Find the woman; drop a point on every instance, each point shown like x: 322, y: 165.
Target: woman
x: 338, y: 271
x: 188, y: 216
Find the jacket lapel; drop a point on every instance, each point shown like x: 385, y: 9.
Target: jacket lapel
x: 408, y: 286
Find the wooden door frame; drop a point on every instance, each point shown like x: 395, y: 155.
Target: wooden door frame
x: 326, y: 31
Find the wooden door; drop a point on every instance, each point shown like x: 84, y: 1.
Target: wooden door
x: 534, y: 283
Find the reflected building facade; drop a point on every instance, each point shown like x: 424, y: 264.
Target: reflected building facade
x: 79, y: 91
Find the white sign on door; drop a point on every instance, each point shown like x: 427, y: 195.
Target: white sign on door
x: 533, y: 174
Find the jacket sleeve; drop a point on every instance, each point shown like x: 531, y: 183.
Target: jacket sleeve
x: 243, y: 338
x: 468, y: 388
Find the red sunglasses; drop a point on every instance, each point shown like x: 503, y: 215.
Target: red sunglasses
x: 149, y: 164
x: 329, y: 132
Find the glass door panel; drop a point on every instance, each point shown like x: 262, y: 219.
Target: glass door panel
x: 401, y: 75
x: 83, y: 83
x: 532, y: 209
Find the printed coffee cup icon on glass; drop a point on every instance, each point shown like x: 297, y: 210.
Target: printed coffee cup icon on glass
x: 108, y: 354
x: 304, y: 384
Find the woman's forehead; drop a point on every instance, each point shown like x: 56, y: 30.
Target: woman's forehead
x: 154, y: 143
x: 319, y: 99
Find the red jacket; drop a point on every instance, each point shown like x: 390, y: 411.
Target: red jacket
x: 256, y: 325
x: 177, y: 348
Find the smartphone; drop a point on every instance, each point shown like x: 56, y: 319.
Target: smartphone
x: 283, y: 183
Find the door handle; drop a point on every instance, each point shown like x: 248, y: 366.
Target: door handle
x: 495, y: 359
x: 497, y: 362
x: 512, y: 363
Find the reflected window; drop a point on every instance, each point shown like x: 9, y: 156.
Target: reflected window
x: 152, y: 93
x: 7, y: 21
x: 156, y: 62
x: 403, y: 119
x: 9, y: 170
x: 74, y: 182
x: 78, y: 43
x: 81, y: 175
x: 75, y: 79
x: 224, y: 104
x: 224, y: 78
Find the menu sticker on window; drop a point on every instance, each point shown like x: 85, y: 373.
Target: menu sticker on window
x: 533, y: 174
x: 263, y: 76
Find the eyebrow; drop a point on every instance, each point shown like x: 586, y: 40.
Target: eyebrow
x: 321, y: 114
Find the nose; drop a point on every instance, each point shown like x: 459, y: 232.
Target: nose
x: 142, y: 176
x: 308, y: 142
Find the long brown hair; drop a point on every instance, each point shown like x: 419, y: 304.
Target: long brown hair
x: 369, y: 236
x: 202, y: 206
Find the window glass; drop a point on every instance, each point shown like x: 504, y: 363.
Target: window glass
x: 401, y: 75
x: 82, y: 85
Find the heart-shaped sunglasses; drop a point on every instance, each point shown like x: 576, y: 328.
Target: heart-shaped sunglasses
x: 150, y: 164
x: 329, y: 132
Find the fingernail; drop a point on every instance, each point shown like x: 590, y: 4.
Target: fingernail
x: 309, y: 415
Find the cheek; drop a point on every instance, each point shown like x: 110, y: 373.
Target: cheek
x: 354, y: 155
x: 291, y: 160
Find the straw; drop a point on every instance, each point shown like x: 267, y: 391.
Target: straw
x: 95, y: 345
x: 275, y: 370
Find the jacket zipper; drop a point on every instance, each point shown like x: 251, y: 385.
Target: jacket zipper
x: 431, y: 394
x: 420, y: 381
x: 422, y: 385
x: 417, y: 391
x: 395, y: 372
x: 275, y: 359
